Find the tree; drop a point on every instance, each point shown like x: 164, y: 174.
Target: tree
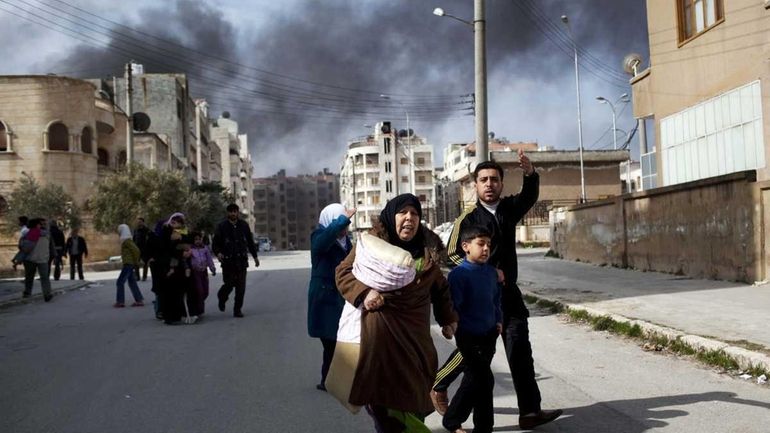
x: 154, y: 195
x: 33, y: 200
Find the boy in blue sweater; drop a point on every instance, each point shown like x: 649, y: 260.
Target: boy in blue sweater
x: 476, y: 298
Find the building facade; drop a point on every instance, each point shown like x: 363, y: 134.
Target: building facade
x: 706, y: 89
x: 286, y: 209
x: 235, y: 166
x: 383, y: 165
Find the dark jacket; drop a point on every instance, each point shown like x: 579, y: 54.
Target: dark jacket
x: 57, y: 236
x: 398, y: 361
x: 502, y: 225
x: 234, y: 242
x: 81, y: 245
x: 324, y: 304
x: 141, y: 237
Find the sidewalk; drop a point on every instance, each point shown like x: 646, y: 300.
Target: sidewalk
x: 727, y: 315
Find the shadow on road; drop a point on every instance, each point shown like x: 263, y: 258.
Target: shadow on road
x: 628, y: 416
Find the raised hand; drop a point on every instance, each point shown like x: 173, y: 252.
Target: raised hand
x: 525, y: 163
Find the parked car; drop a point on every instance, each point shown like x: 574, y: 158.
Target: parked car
x: 264, y: 243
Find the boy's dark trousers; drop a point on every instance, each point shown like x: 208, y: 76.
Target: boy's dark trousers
x: 475, y: 392
x: 76, y: 259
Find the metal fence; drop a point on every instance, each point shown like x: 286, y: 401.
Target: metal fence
x: 538, y: 214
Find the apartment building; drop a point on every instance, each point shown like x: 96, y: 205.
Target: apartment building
x: 382, y: 165
x: 286, y: 209
x: 706, y: 89
x: 235, y: 165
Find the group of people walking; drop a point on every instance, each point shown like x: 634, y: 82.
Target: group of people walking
x: 396, y: 378
x: 179, y: 261
x: 41, y: 246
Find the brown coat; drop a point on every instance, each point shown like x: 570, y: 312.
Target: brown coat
x: 398, y: 362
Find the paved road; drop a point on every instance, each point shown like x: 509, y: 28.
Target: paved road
x: 77, y: 365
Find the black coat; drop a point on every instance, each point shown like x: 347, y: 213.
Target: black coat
x: 234, y: 242
x: 81, y: 244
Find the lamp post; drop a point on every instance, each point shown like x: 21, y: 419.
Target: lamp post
x: 565, y: 20
x: 409, y: 142
x: 480, y: 60
x: 603, y: 100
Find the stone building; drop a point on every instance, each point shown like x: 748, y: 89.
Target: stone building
x: 287, y: 208
x: 383, y: 165
x: 235, y: 165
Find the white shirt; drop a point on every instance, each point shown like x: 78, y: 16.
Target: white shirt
x: 492, y: 208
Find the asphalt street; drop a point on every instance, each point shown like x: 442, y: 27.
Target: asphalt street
x: 78, y: 365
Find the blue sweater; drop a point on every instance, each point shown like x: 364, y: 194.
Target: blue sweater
x: 476, y: 297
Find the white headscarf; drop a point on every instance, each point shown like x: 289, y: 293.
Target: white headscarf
x: 328, y: 215
x: 124, y: 231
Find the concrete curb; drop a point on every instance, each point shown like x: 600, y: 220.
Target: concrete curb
x: 743, y: 357
x: 38, y: 295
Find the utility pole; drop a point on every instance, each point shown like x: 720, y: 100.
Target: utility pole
x: 198, y: 141
x: 479, y: 29
x: 355, y: 197
x: 129, y: 115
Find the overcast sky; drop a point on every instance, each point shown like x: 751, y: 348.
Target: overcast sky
x: 304, y: 77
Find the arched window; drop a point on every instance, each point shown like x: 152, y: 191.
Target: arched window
x: 3, y: 137
x: 103, y: 157
x: 86, y: 140
x: 58, y: 137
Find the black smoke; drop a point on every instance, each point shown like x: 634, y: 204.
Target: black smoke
x: 271, y: 82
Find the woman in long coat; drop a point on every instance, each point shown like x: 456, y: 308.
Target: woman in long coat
x: 398, y: 362
x: 329, y: 244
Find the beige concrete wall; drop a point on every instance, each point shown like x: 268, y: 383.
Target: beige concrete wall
x: 729, y: 55
x: 705, y: 229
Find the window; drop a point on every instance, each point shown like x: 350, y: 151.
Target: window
x: 387, y: 146
x: 420, y: 161
x: 3, y: 138
x: 122, y: 158
x: 404, y: 161
x: 58, y: 137
x: 103, y: 157
x: 697, y: 16
x: 388, y: 167
x: 423, y: 198
x: 404, y: 179
x: 421, y: 179
x: 86, y: 140
x: 388, y: 186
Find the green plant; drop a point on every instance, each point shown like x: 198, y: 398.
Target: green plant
x: 50, y: 201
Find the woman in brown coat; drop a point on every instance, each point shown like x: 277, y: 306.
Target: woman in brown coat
x: 398, y: 362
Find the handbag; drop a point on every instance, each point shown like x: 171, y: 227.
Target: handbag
x: 342, y: 370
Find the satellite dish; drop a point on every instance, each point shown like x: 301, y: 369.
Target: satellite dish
x: 631, y: 63
x: 141, y: 121
x: 402, y: 133
x: 226, y: 114
x: 386, y: 128
x: 491, y: 135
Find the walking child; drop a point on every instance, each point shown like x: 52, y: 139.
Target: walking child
x: 201, y: 260
x: 129, y: 253
x: 476, y: 298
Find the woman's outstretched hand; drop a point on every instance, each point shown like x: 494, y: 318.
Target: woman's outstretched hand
x: 373, y: 300
x: 350, y: 212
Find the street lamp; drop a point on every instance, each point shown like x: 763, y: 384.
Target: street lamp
x: 565, y: 20
x: 409, y: 142
x: 603, y: 100
x: 480, y: 53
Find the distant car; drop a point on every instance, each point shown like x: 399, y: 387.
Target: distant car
x: 264, y: 243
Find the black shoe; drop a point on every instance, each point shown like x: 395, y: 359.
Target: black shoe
x: 25, y: 295
x: 222, y: 304
x: 237, y: 314
x: 530, y: 421
x: 320, y: 387
x: 47, y: 298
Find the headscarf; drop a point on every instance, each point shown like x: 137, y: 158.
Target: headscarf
x: 416, y: 246
x: 124, y: 232
x: 174, y: 215
x: 328, y: 215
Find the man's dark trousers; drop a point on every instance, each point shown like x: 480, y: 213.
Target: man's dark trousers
x: 234, y: 277
x: 76, y: 259
x: 475, y: 391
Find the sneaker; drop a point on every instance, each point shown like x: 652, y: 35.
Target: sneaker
x: 440, y: 401
x: 237, y: 314
x: 320, y: 387
x: 138, y: 304
x: 118, y: 305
